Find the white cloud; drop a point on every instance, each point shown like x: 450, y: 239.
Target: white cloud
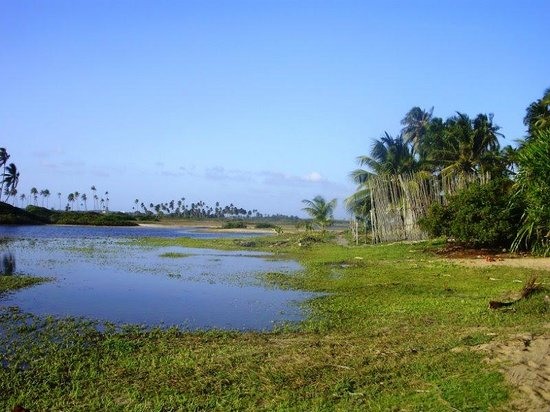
x: 313, y: 177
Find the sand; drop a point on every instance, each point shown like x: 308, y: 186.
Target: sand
x: 525, y: 362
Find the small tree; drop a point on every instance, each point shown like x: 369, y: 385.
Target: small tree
x: 320, y: 210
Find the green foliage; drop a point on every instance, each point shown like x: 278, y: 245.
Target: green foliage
x: 11, y: 215
x: 533, y: 185
x: 478, y: 216
x: 93, y: 219
x: 264, y: 225
x: 234, y: 224
x: 320, y: 210
x: 44, y: 214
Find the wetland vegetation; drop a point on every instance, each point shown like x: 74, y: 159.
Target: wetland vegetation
x: 393, y: 329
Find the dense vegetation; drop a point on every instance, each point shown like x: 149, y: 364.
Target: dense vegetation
x: 510, y: 208
x: 39, y: 215
x: 393, y: 329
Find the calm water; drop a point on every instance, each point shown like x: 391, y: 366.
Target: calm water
x: 98, y: 274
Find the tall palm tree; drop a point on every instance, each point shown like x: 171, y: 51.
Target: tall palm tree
x: 59, y: 197
x: 34, y: 194
x: 76, y: 199
x: 10, y: 180
x: 93, y: 189
x: 22, y: 196
x: 415, y: 126
x: 70, y: 199
x: 84, y: 198
x: 4, y: 156
x: 320, y: 210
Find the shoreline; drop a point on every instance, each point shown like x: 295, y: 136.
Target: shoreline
x: 207, y: 228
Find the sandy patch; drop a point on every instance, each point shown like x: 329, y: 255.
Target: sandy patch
x: 525, y: 362
x: 520, y: 262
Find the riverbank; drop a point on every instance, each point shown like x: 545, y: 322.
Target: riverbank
x: 397, y: 328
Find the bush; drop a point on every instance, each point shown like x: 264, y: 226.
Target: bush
x: 234, y: 224
x: 264, y: 225
x: 480, y: 215
x: 533, y: 185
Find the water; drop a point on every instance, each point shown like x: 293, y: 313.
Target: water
x: 72, y: 232
x: 98, y: 274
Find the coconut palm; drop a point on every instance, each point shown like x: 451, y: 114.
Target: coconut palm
x: 320, y: 210
x: 70, y: 199
x: 538, y: 115
x: 415, y: 126
x: 467, y: 147
x: 10, y: 180
x: 4, y: 157
x: 34, y: 194
x: 389, y: 156
x: 93, y: 189
x: 84, y: 198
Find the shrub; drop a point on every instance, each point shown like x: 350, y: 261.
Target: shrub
x: 234, y: 224
x: 480, y: 215
x: 264, y: 225
x: 533, y: 185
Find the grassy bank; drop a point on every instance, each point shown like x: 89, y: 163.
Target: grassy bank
x: 392, y: 332
x: 36, y: 215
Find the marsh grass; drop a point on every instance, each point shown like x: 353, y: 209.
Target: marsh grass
x: 175, y: 255
x: 381, y: 337
x: 8, y: 283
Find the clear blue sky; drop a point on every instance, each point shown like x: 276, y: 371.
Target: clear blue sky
x: 260, y: 103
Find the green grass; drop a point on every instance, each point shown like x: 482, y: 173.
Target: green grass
x: 14, y: 282
x: 380, y: 338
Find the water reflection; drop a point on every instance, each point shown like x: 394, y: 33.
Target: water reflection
x: 8, y: 264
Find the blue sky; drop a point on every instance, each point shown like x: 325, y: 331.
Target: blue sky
x: 260, y: 103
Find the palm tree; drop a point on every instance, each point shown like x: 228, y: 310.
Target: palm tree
x: 84, y: 198
x: 76, y: 197
x: 389, y: 156
x: 4, y: 156
x: 10, y: 180
x: 46, y: 194
x: 468, y: 147
x: 34, y: 194
x: 538, y: 115
x: 59, y: 197
x: 320, y: 210
x: 22, y: 196
x: 93, y: 189
x: 70, y: 198
x: 415, y: 126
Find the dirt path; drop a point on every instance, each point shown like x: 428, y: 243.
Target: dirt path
x: 525, y: 362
